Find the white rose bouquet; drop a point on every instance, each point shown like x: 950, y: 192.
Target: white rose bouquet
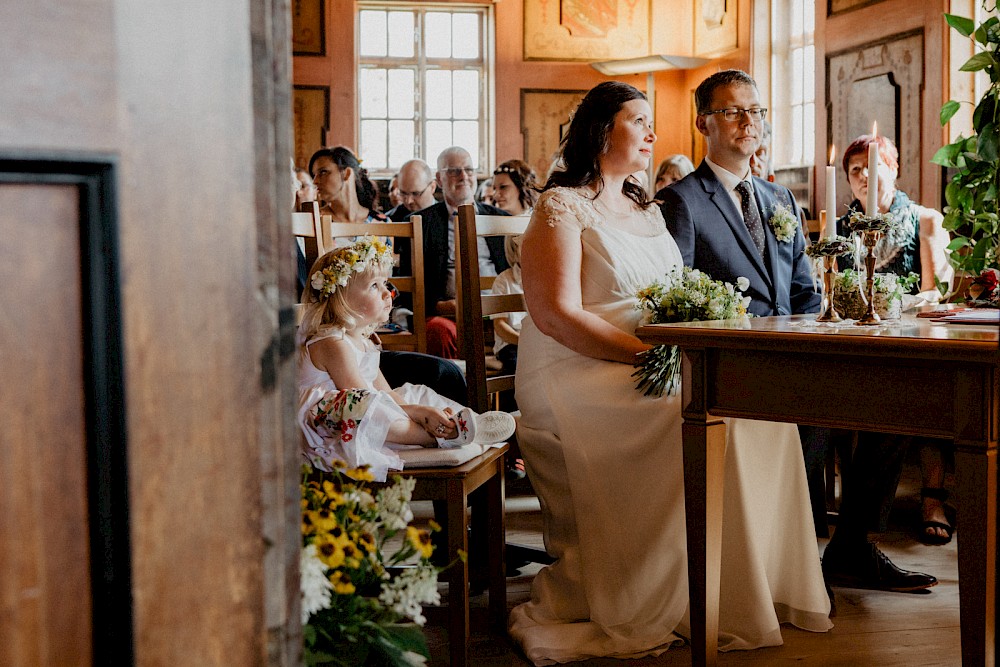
x: 684, y: 295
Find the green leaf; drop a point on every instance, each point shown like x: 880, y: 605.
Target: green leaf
x: 958, y: 242
x: 977, y: 62
x: 963, y: 25
x: 979, y: 251
x: 990, y: 26
x: 982, y: 34
x: 945, y: 156
x: 951, y: 193
x: 988, y: 139
x: 948, y: 110
x: 985, y: 112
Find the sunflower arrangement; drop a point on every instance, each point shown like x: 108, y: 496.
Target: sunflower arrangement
x: 353, y: 610
x: 684, y: 295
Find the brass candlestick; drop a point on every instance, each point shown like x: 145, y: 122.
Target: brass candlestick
x: 829, y: 249
x: 829, y: 311
x: 870, y: 237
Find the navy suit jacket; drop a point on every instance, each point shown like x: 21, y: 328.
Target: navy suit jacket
x: 435, y: 224
x: 398, y: 213
x: 711, y: 234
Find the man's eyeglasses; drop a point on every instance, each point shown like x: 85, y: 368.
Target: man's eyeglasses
x: 733, y: 113
x: 458, y: 172
x: 405, y: 194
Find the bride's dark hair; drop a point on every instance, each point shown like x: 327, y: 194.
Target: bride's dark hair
x: 587, y: 139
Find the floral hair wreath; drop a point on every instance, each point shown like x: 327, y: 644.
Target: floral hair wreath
x: 504, y: 169
x: 366, y: 252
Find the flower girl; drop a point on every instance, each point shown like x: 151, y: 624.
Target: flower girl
x: 347, y: 410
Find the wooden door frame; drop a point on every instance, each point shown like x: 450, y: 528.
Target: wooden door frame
x: 103, y: 383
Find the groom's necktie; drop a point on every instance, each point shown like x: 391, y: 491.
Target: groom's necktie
x: 751, y: 216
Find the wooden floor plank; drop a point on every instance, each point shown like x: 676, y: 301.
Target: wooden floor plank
x: 870, y: 628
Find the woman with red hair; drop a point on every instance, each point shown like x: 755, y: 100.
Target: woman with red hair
x: 919, y: 245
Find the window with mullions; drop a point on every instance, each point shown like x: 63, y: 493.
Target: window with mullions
x: 422, y: 82
x: 793, y: 89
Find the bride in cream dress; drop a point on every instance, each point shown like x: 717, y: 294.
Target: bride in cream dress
x: 606, y: 461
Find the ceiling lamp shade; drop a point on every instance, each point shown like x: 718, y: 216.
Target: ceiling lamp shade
x: 646, y: 64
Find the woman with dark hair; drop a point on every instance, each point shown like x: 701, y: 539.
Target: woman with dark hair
x: 343, y: 186
x: 605, y: 460
x: 514, y: 187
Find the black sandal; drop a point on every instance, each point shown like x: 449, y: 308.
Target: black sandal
x: 928, y: 538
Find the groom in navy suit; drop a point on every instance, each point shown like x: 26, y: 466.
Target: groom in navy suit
x: 729, y: 224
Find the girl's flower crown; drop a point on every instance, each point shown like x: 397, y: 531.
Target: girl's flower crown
x: 366, y: 252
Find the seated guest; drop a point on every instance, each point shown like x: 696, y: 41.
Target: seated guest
x: 672, y: 169
x: 416, y: 192
x: 920, y: 246
x: 507, y: 326
x: 398, y: 367
x: 515, y: 187
x: 457, y: 179
x: 306, y: 191
x: 343, y: 187
x: 484, y: 193
x: 760, y: 163
x: 416, y: 189
x: 394, y: 199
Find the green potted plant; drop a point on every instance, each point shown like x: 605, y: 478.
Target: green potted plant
x: 971, y: 213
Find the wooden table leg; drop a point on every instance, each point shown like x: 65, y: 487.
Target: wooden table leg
x: 976, y: 498
x: 704, y: 465
x: 458, y: 579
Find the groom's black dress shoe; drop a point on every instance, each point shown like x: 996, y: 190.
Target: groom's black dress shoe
x: 865, y: 566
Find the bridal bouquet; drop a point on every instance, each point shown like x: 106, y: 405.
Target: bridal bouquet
x: 353, y: 611
x: 684, y: 295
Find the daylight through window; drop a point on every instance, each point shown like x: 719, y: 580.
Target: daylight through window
x: 422, y: 83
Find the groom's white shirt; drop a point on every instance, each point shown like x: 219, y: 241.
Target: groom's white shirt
x: 729, y: 181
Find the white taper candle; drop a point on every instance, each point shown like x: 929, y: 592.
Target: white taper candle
x: 871, y: 205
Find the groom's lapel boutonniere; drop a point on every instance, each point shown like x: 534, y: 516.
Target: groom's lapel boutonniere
x: 783, y: 222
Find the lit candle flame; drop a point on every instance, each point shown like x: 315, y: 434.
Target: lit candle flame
x: 833, y: 151
x: 874, y: 128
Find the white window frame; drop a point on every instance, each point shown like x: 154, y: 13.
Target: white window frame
x: 793, y: 124
x: 484, y: 64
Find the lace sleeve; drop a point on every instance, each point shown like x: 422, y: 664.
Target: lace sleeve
x: 565, y: 207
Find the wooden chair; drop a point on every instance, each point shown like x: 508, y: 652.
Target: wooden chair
x: 472, y: 305
x: 413, y: 284
x: 477, y: 488
x: 307, y: 225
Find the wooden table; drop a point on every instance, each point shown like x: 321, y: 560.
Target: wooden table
x: 915, y: 377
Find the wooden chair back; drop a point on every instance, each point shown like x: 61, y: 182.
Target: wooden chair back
x: 472, y: 304
x: 413, y: 284
x: 307, y: 224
